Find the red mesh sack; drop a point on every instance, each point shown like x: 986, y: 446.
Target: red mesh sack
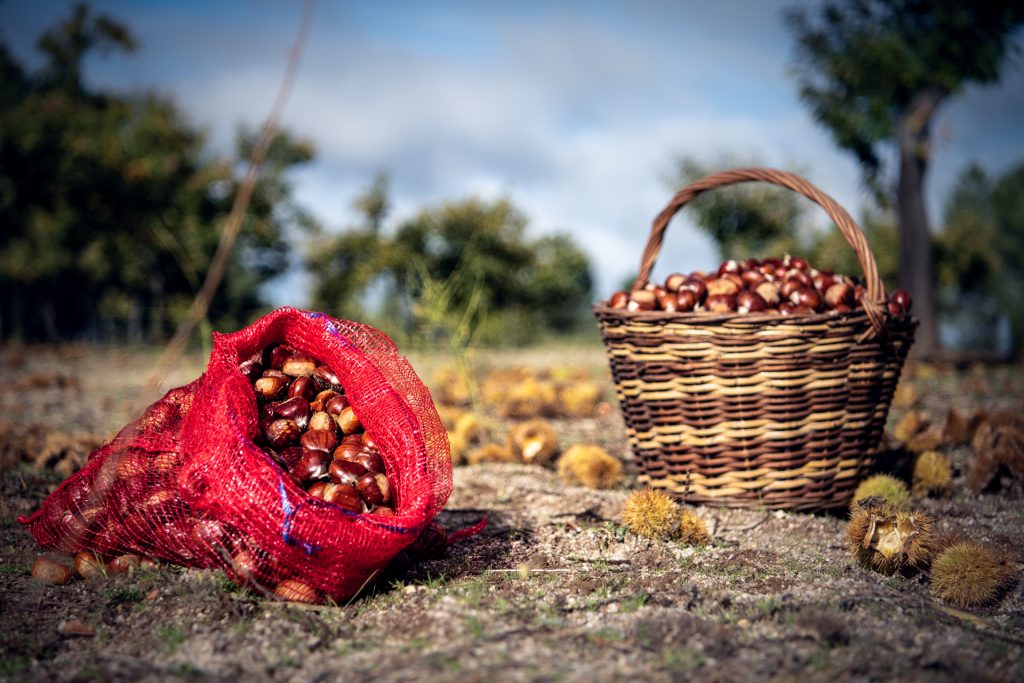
x: 186, y: 483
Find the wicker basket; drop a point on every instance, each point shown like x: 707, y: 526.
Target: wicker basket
x: 755, y: 410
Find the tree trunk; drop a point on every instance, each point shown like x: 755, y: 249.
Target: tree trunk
x: 917, y: 272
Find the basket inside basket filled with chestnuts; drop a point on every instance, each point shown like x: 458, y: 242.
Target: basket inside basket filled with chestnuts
x: 763, y: 383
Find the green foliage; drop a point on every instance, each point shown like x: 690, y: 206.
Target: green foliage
x: 748, y: 220
x: 457, y: 274
x: 863, y: 64
x: 110, y: 205
x: 980, y: 256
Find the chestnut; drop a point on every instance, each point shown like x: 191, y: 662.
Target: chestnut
x: 276, y: 355
x: 325, y: 378
x: 281, y: 433
x: 89, y: 566
x: 124, y: 564
x: 752, y: 278
x: 347, y: 451
x: 302, y: 387
x: 720, y: 303
x: 769, y: 291
x: 796, y: 262
x: 345, y: 472
x: 807, y: 296
x: 269, y: 387
x: 371, y: 460
x: 895, y: 308
x: 374, y: 488
x: 344, y: 496
x: 641, y: 300
x: 750, y: 302
x: 209, y: 535
x: 50, y: 572
x: 312, y: 465
x: 318, y: 403
x: 296, y: 591
x: 322, y: 421
x: 674, y: 281
x: 839, y: 293
x: 335, y: 404
x: 246, y: 566
x: 383, y: 510
x: 822, y: 280
x: 686, y: 299
x: 787, y: 288
x: 295, y: 409
x: 317, y: 489
x: 251, y: 369
x: 298, y: 365
x: 618, y: 300
x: 290, y: 456
x: 667, y: 301
x: 348, y: 421
x: 319, y: 440
x: 698, y: 286
x: 368, y: 441
x: 722, y: 286
x: 730, y: 266
x: 902, y: 297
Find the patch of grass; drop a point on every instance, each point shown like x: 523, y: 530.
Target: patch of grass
x: 475, y: 627
x: 124, y: 595
x: 634, y: 602
x: 187, y: 671
x: 13, y: 665
x: 605, y: 635
x: 172, y: 637
x: 13, y: 569
x: 820, y: 657
x: 767, y: 606
x: 682, y: 660
x: 615, y: 531
x: 473, y: 591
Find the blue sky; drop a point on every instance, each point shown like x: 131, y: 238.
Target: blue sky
x: 576, y: 111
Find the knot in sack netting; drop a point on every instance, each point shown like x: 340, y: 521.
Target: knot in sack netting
x: 302, y: 461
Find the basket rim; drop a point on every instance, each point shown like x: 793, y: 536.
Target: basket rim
x: 754, y: 319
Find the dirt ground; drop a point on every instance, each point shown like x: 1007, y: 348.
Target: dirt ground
x: 553, y: 589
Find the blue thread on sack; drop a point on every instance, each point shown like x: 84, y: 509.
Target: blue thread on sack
x: 286, y: 524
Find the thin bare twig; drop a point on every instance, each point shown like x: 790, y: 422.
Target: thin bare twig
x: 233, y: 225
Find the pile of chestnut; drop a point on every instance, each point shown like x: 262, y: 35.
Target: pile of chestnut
x: 772, y: 286
x: 309, y: 428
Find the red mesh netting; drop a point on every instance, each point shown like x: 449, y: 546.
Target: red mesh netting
x: 187, y: 484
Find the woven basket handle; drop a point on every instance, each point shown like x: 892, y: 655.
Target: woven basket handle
x: 873, y: 303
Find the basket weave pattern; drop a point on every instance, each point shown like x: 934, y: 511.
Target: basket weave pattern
x: 756, y: 410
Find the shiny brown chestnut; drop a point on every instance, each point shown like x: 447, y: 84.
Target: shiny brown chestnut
x: 902, y: 297
x: 295, y: 409
x: 335, y: 404
x: 374, y: 488
x: 641, y: 300
x: 320, y: 401
x: 698, y: 286
x: 371, y: 460
x: 749, y: 302
x: 312, y: 466
x: 281, y: 433
x: 730, y: 266
x: 50, y: 572
x: 839, y: 293
x: 298, y: 365
x: 251, y: 369
x: 344, y: 496
x: 807, y: 296
x: 345, y: 472
x: 290, y: 456
x: 667, y: 301
x: 325, y: 378
x: 319, y: 440
x: 686, y: 299
x: 302, y: 387
x: 752, y: 278
x: 89, y: 565
x: 291, y: 590
x: 618, y: 300
x: 124, y: 564
x: 720, y: 303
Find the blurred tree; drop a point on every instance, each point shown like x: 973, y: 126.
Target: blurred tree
x: 463, y: 270
x: 874, y: 72
x: 109, y: 204
x: 980, y: 255
x: 751, y: 220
